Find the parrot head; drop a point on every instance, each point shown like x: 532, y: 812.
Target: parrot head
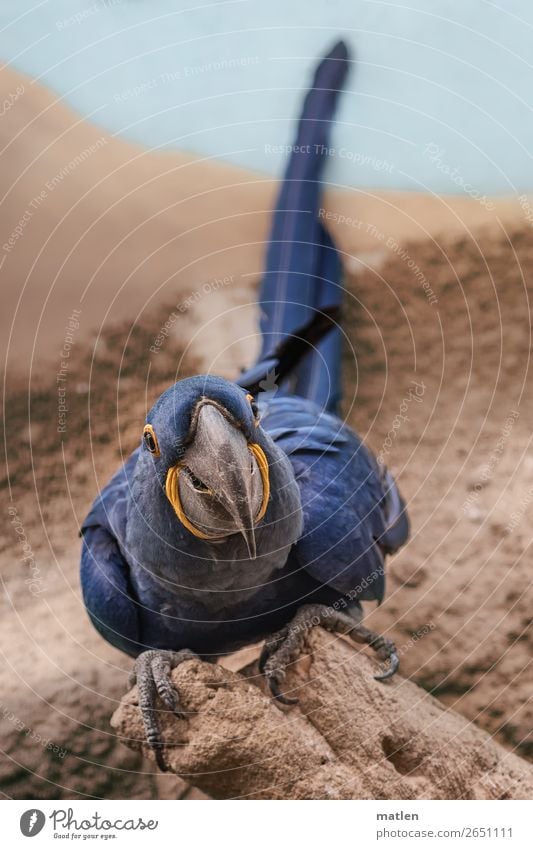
x: 208, y: 450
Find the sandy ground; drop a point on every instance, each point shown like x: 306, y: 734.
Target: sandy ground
x: 439, y: 388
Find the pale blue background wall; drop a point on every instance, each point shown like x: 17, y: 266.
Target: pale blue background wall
x: 458, y: 76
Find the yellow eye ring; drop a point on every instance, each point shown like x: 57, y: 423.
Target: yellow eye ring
x: 262, y: 462
x: 150, y: 440
x: 253, y: 405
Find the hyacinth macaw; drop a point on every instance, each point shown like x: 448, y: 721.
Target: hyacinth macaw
x: 250, y: 510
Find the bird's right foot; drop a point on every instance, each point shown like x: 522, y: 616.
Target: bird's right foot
x: 283, y: 647
x: 151, y: 673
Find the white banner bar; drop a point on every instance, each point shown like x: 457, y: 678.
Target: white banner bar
x: 309, y: 824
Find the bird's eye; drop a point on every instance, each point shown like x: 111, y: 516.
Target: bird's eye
x: 254, y: 407
x: 150, y: 440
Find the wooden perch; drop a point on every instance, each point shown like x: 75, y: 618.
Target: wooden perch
x: 350, y: 737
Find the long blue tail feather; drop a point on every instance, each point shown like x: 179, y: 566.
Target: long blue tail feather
x: 319, y: 374
x: 303, y: 274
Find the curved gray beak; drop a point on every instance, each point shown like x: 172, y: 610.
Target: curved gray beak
x: 221, y: 461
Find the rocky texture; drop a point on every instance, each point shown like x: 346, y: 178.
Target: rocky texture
x: 349, y: 737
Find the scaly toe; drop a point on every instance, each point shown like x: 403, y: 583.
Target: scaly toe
x: 270, y: 647
x: 394, y: 661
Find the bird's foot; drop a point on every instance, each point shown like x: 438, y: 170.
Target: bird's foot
x: 151, y: 673
x: 285, y: 645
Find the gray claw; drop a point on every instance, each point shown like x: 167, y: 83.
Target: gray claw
x: 152, y: 671
x: 278, y: 695
x: 159, y: 759
x: 392, y: 670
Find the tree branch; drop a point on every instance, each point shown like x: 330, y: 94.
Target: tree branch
x: 350, y: 737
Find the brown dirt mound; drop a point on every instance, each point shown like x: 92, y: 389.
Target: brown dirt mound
x: 350, y: 737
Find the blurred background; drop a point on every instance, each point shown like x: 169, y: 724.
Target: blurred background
x: 223, y: 80
x: 140, y: 145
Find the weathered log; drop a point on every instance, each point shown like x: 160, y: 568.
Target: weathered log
x: 350, y: 737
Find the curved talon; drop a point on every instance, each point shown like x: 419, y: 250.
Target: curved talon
x: 278, y: 695
x: 159, y: 759
x: 180, y: 714
x: 263, y: 657
x: 393, y: 669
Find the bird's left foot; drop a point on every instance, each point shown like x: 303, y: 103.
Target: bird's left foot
x: 151, y: 673
x: 285, y: 645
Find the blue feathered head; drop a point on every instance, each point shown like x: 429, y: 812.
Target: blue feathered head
x: 207, y: 448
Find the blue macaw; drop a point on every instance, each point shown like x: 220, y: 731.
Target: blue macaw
x: 250, y: 510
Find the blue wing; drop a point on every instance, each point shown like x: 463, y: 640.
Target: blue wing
x: 107, y: 591
x: 353, y: 512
